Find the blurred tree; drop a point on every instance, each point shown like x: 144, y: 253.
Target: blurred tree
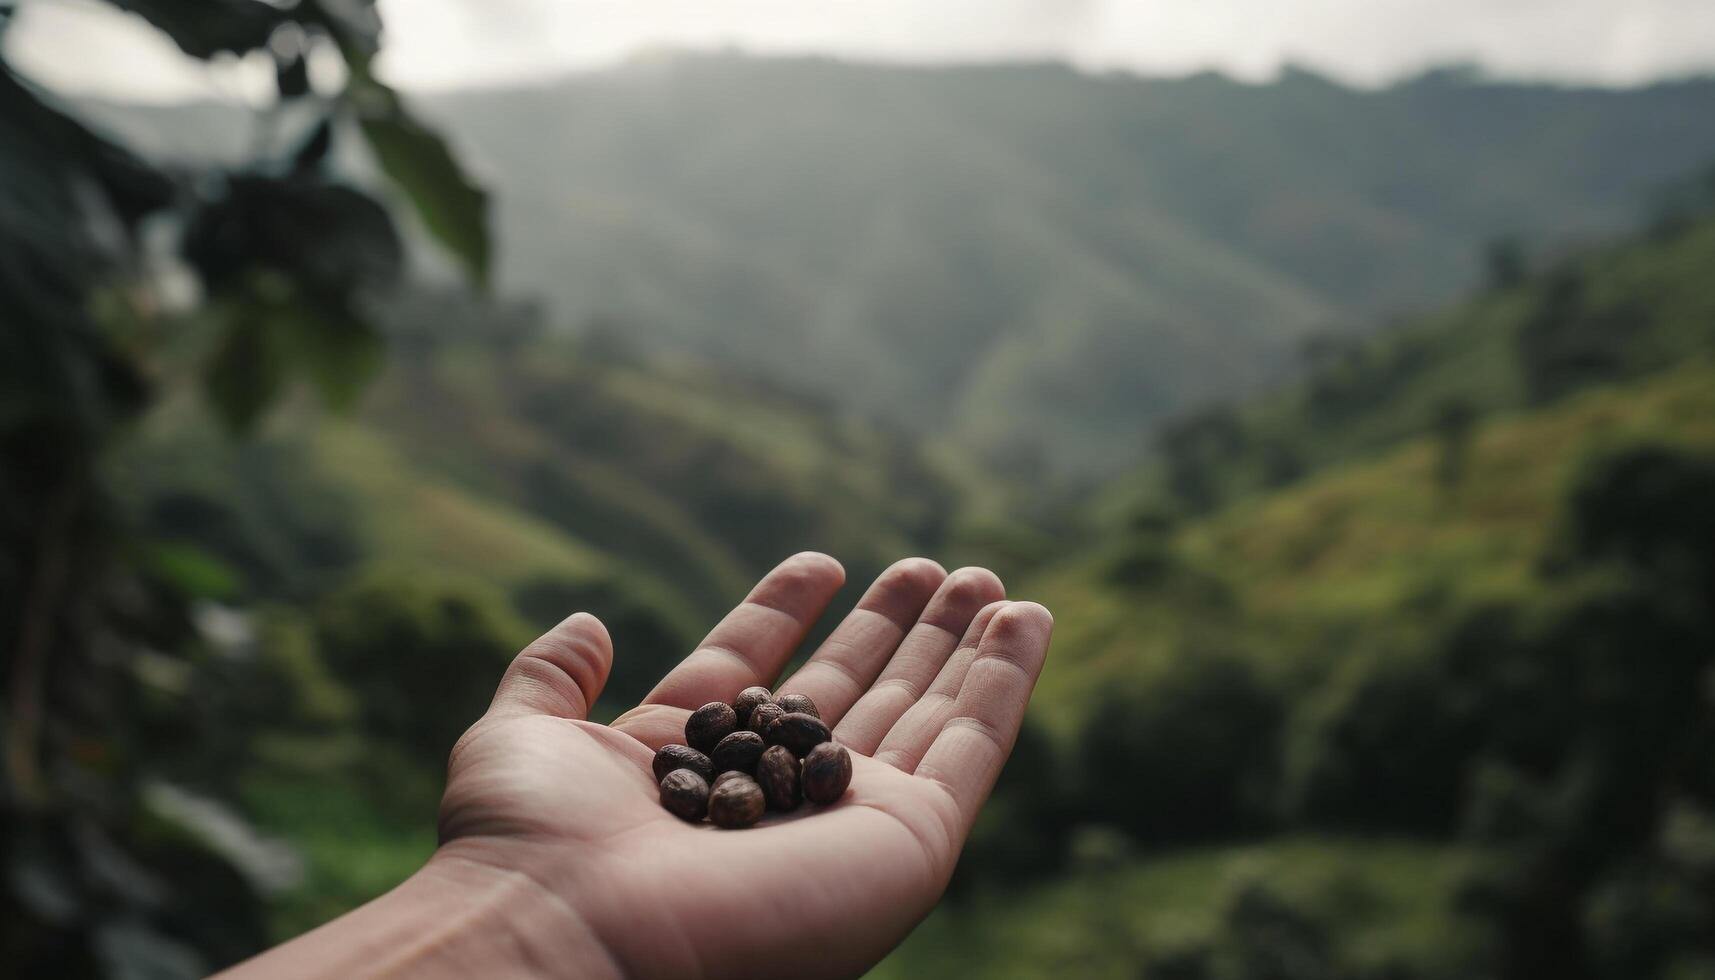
x: 419, y: 653
x: 1648, y: 507
x: 1570, y: 340
x: 1596, y: 716
x: 1504, y: 264
x: 1279, y: 464
x: 1454, y: 422
x: 1382, y: 747
x: 1187, y: 752
x: 1268, y: 937
x: 1193, y: 450
x: 1145, y: 554
x: 1025, y: 827
x: 95, y: 629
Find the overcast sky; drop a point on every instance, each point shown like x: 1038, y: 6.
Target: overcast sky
x: 78, y: 45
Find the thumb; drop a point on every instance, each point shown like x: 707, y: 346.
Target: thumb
x: 560, y: 674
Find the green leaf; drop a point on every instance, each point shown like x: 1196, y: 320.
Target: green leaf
x: 245, y: 374
x: 314, y: 149
x: 191, y: 570
x: 204, y: 28
x: 354, y: 25
x: 453, y: 208
x: 292, y: 76
x: 339, y: 351
x: 331, y: 241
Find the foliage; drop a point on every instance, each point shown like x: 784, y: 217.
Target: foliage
x: 1182, y: 753
x: 107, y: 668
x: 1024, y: 829
x: 418, y: 655
x: 1515, y: 665
x: 1382, y: 747
x: 1578, y: 796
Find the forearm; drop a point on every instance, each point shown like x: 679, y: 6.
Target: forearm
x: 457, y: 917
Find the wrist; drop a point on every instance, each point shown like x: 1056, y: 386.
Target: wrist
x: 459, y: 916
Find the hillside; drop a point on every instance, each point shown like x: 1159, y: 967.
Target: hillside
x: 1392, y: 646
x: 1024, y: 261
x: 1029, y: 260
x: 1600, y: 314
x: 1382, y: 503
x: 1326, y: 563
x: 561, y: 476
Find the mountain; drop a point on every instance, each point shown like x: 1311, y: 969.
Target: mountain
x: 1424, y: 461
x: 1316, y: 713
x: 1027, y: 260
x: 1024, y: 262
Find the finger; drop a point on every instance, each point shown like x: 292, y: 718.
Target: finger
x: 561, y: 673
x: 968, y: 754
x: 920, y: 656
x: 854, y: 653
x: 903, y: 746
x: 756, y: 639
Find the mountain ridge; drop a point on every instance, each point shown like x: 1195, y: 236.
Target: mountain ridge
x: 1026, y: 261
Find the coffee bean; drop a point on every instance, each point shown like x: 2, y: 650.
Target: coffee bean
x: 747, y: 701
x: 739, y: 751
x: 827, y: 772
x: 777, y: 774
x: 764, y: 715
x: 727, y: 776
x: 673, y: 757
x: 798, y: 732
x: 800, y: 703
x: 709, y: 724
x: 685, y: 794
x: 739, y: 803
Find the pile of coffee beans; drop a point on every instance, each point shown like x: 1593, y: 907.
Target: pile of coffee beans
x: 756, y: 754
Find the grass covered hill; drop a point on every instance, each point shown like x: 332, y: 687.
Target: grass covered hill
x: 549, y: 472
x: 1427, y: 702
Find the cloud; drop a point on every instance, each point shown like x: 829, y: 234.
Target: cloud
x: 78, y: 45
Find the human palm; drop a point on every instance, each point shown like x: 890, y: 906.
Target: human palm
x: 925, y: 682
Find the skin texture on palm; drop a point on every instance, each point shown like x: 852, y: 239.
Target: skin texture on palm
x: 925, y: 682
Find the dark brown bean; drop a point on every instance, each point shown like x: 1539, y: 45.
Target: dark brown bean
x: 777, y: 774
x: 800, y: 703
x: 827, y: 772
x: 739, y: 803
x: 764, y: 715
x: 739, y: 751
x: 798, y: 732
x: 685, y: 794
x: 727, y: 776
x: 709, y: 724
x: 747, y: 701
x: 673, y: 757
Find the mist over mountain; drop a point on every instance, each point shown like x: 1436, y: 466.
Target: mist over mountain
x: 1024, y: 260
x: 1020, y: 257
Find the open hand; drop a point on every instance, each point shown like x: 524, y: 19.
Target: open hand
x: 925, y: 682
x: 557, y: 858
